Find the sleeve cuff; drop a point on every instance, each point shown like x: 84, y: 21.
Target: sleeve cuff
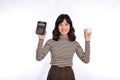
x: 40, y: 43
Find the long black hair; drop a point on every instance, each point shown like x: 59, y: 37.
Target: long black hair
x: 56, y: 33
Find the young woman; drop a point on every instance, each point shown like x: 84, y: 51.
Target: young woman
x: 62, y: 47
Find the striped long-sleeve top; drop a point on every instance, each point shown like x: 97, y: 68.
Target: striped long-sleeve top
x: 62, y: 51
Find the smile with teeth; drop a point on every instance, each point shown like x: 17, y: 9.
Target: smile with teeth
x: 64, y: 31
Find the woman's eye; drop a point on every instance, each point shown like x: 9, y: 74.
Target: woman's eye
x: 66, y: 24
x: 60, y: 24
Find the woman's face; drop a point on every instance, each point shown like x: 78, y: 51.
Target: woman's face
x: 64, y: 28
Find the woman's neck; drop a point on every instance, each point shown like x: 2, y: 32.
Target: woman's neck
x: 64, y: 37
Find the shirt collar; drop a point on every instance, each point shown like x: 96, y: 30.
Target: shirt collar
x: 64, y: 37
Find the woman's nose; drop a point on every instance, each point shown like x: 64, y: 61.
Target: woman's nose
x: 63, y: 26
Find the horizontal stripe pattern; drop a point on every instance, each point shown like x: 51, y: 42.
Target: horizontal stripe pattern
x: 62, y: 51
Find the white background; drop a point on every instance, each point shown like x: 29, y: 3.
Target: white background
x: 18, y: 41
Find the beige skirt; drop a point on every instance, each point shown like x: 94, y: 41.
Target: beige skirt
x: 60, y: 73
